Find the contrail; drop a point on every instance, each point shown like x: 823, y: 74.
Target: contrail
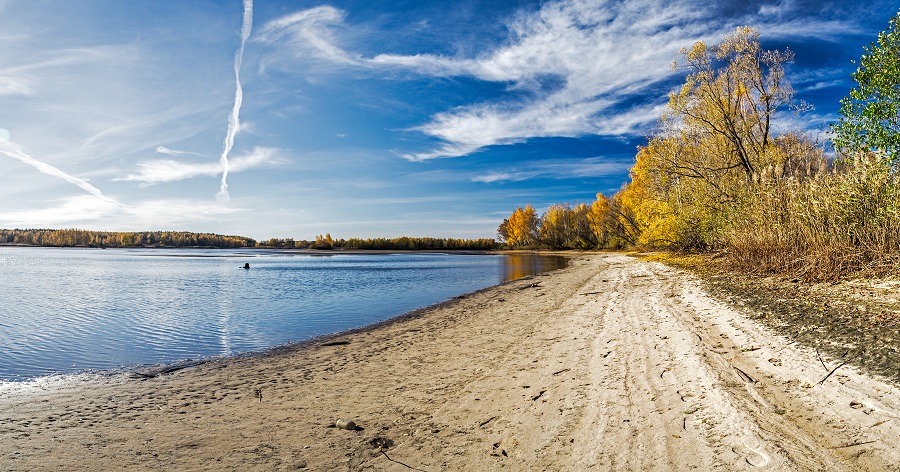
x: 14, y: 151
x: 233, y: 120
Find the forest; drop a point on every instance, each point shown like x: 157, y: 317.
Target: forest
x: 85, y: 238
x: 326, y: 242
x: 725, y: 174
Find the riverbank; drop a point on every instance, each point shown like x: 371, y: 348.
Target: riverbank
x: 612, y: 363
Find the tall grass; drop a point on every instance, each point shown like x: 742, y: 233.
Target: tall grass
x: 839, y: 224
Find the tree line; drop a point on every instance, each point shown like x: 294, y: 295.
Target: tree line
x: 85, y: 238
x: 402, y: 243
x: 724, y: 172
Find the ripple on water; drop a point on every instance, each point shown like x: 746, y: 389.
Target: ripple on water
x: 83, y: 309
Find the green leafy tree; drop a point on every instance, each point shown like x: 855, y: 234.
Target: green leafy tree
x: 870, y: 115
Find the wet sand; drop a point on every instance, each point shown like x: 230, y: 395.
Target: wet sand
x: 611, y: 364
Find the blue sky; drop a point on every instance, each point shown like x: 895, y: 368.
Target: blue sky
x: 366, y: 118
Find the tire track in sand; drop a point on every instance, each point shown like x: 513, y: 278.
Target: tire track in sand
x: 681, y: 381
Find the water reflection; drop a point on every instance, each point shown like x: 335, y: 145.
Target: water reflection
x: 517, y: 266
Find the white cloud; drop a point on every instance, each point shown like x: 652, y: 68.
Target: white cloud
x: 559, y: 169
x: 309, y: 32
x: 569, y: 66
x: 177, y: 213
x: 70, y: 211
x: 175, y: 152
x: 574, y: 67
x: 234, y: 122
x: 102, y: 214
x: 168, y: 170
x: 14, y: 86
x: 91, y: 106
x: 13, y: 150
x: 492, y: 177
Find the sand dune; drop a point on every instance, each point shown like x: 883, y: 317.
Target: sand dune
x: 611, y: 364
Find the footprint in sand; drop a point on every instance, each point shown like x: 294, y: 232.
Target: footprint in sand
x: 754, y: 456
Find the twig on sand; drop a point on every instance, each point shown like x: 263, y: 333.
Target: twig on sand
x: 384, y: 443
x: 842, y: 364
x: 561, y: 371
x: 858, y: 443
x: 487, y: 421
x: 743, y: 375
x: 398, y: 462
x: 820, y: 359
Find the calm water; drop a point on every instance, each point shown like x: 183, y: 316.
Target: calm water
x: 70, y: 310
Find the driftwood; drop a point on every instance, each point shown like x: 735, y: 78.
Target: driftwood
x: 167, y: 369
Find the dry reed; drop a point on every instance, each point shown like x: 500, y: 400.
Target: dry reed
x: 840, y: 224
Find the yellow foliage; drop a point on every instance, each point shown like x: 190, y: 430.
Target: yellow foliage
x: 521, y: 228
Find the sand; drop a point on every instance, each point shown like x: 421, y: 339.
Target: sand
x: 611, y: 364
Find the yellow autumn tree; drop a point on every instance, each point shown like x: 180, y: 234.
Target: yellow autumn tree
x: 566, y: 227
x: 555, y: 226
x: 598, y: 214
x: 649, y: 197
x: 521, y: 229
x: 715, y: 143
x: 726, y: 108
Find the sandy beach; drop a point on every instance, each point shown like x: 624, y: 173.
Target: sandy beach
x: 611, y: 364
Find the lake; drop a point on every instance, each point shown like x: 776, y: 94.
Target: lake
x: 68, y: 310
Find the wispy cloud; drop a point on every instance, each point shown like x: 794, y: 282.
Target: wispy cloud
x: 22, y: 77
x: 178, y: 213
x: 69, y: 211
x: 13, y: 150
x: 310, y: 32
x: 494, y: 176
x: 14, y: 86
x: 168, y: 170
x: 102, y: 213
x: 91, y: 102
x: 600, y: 166
x: 175, y: 152
x: 573, y: 68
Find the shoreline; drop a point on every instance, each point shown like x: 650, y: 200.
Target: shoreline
x: 611, y: 363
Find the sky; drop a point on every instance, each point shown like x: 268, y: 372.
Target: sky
x: 362, y: 118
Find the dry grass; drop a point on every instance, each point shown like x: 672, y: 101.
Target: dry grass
x: 839, y: 225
